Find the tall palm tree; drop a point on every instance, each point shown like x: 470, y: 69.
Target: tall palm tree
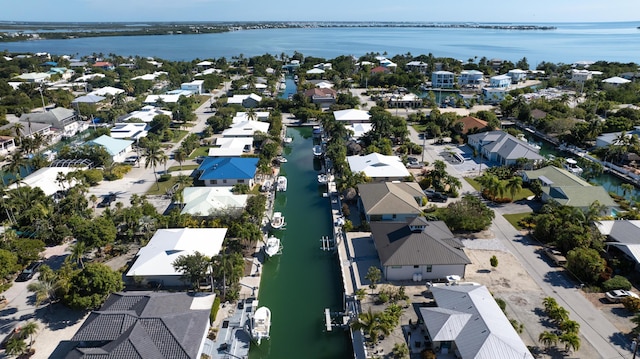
x: 548, y: 339
x: 571, y: 341
x: 369, y: 323
x: 514, y: 185
x: 16, y: 346
x: 28, y: 330
x: 180, y: 155
x: 164, y: 159
x: 78, y: 251
x: 153, y: 158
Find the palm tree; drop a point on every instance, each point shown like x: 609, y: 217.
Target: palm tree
x: 548, y: 339
x: 514, y: 185
x: 77, y: 252
x: 180, y: 155
x: 369, y: 323
x: 626, y: 188
x: 570, y: 326
x: 28, y: 330
x: 571, y: 341
x: 153, y: 158
x: 16, y: 346
x: 94, y: 199
x: 164, y: 159
x: 252, y: 115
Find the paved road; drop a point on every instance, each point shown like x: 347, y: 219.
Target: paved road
x: 594, y: 326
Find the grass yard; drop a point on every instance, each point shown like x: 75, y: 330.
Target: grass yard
x: 184, y: 168
x: 515, y: 218
x: 161, y: 188
x: 200, y: 151
x: 520, y: 195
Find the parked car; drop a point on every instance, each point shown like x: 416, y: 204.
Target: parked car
x: 29, y: 272
x: 615, y: 296
x: 435, y: 196
x: 413, y: 163
x: 107, y: 200
x: 556, y: 256
x: 131, y: 160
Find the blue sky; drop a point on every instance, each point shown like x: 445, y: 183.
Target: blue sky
x: 326, y: 10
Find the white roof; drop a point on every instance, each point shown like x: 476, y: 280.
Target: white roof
x: 238, y: 99
x: 375, y: 165
x: 107, y: 91
x: 352, y: 115
x: 359, y: 129
x: 209, y: 72
x: 133, y: 130
x: 89, y: 77
x: 616, y: 80
x: 45, y: 179
x: 517, y: 71
x: 150, y: 77
x: 204, y: 63
x: 157, y: 257
x: 206, y: 201
x: 315, y: 71
x: 165, y: 98
x: 245, y: 129
x: 230, y: 146
x: 501, y: 77
x: 244, y: 116
x: 146, y: 114
x: 34, y: 76
x: 470, y: 316
x: 324, y: 85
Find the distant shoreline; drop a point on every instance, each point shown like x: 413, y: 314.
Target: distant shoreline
x: 22, y: 31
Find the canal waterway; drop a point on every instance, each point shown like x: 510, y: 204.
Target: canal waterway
x: 304, y: 280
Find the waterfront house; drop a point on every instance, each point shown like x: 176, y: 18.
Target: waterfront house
x: 468, y: 323
x: 562, y: 187
x: 154, y: 262
x: 418, y: 247
x: 390, y: 201
x: 7, y: 145
x: 417, y: 66
x: 501, y: 147
x: 231, y: 146
x: 247, y: 101
x: 379, y: 168
x: 622, y: 237
x: 129, y: 130
x: 61, y: 120
x: 133, y: 325
x: 442, y: 79
x: 493, y: 95
x: 472, y: 124
x: 246, y: 129
x: 28, y: 129
x: 352, y: 116
x: 212, y: 201
x: 500, y: 81
x: 612, y: 138
x: 145, y: 114
x: 409, y: 100
x: 359, y: 129
x: 116, y: 148
x: 315, y: 71
x: 517, y: 75
x: 324, y: 97
x: 228, y: 171
x: 195, y: 86
x: 470, y: 77
x: 244, y: 116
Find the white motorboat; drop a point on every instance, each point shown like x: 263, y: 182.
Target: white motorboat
x: 273, y: 246
x: 281, y: 185
x: 261, y: 324
x: 267, y: 185
x: 281, y: 159
x: 277, y: 221
x: 317, y: 151
x: 287, y: 140
x: 323, y: 178
x: 571, y: 165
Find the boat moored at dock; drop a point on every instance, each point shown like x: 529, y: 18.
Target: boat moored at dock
x: 281, y: 185
x: 318, y: 151
x: 277, y: 221
x: 571, y: 165
x: 273, y: 246
x: 261, y: 324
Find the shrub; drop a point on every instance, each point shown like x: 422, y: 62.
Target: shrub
x: 631, y: 304
x: 214, y: 310
x: 494, y: 261
x: 383, y: 297
x: 501, y: 303
x: 164, y: 177
x: 617, y: 282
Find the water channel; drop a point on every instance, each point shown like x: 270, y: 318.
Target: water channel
x: 304, y: 280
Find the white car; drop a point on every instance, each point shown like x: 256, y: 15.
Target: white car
x: 616, y: 296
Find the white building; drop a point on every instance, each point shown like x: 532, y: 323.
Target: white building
x: 379, y: 167
x: 442, y: 79
x: 231, y: 146
x: 212, y: 201
x: 470, y: 77
x: 195, y: 86
x: 129, y: 130
x: 517, y: 75
x: 500, y: 81
x: 352, y: 116
x: 146, y: 114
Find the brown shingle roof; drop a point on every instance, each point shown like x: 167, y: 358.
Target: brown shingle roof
x: 471, y: 122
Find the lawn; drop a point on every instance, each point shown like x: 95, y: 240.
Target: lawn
x: 164, y: 186
x: 200, y: 151
x: 515, y: 218
x: 520, y: 195
x: 184, y: 168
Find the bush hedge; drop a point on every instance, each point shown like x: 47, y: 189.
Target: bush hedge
x: 214, y: 310
x: 617, y: 282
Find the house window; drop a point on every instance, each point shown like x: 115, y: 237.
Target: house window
x: 214, y: 181
x: 240, y: 181
x: 394, y: 216
x: 224, y: 181
x: 416, y: 266
x: 429, y: 268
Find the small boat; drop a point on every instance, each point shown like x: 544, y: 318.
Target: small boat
x: 571, y: 165
x: 281, y: 159
x: 317, y: 151
x: 281, y: 185
x: 317, y: 131
x: 273, y: 246
x: 266, y: 186
x: 323, y: 178
x: 287, y: 140
x: 261, y: 324
x: 277, y: 221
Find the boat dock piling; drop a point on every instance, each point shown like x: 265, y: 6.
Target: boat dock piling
x: 327, y: 244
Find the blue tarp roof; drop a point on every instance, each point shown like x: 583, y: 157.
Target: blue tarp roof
x: 217, y: 168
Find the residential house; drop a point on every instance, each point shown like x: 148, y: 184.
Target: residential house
x: 136, y: 325
x: 409, y: 100
x: 107, y: 90
x: 612, y: 138
x: 247, y: 101
x: 34, y: 77
x: 418, y: 247
x: 156, y: 99
x: 257, y: 116
x: 467, y: 323
x: 622, y: 237
x: 246, y: 129
x: 323, y: 84
x: 324, y: 97
x: 145, y: 114
x: 351, y: 116
x: 154, y: 262
x: 228, y: 171
x: 7, y: 145
x: 472, y: 124
x: 65, y: 74
x: 517, y: 75
x: 105, y: 65
x: 493, y: 95
x: 212, y: 201
x: 150, y: 77
x: 130, y: 130
x: 390, y: 201
x: 231, y: 146
x: 580, y: 76
x: 195, y: 86
x: 501, y: 147
x: 562, y: 187
x: 380, y: 70
x: 61, y: 120
x: 379, y: 167
x: 442, y: 79
x: 315, y: 71
x: 470, y: 78
x: 117, y: 149
x: 359, y: 129
x: 417, y: 66
x: 46, y: 178
x: 28, y: 129
x: 615, y: 81
x: 500, y: 81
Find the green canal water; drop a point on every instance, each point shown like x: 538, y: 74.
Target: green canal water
x: 304, y: 280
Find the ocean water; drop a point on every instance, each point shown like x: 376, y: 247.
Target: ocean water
x: 569, y: 42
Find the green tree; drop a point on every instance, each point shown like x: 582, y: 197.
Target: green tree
x: 493, y: 261
x: 29, y: 330
x: 586, y: 264
x: 180, y: 155
x: 570, y: 326
x: 548, y: 339
x: 370, y: 323
x: 468, y: 214
x: 8, y: 263
x: 400, y: 351
x: 16, y: 346
x: 78, y: 250
x: 374, y: 275
x: 570, y: 340
x: 514, y: 185
x: 194, y: 268
x: 91, y: 286
x: 153, y: 157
